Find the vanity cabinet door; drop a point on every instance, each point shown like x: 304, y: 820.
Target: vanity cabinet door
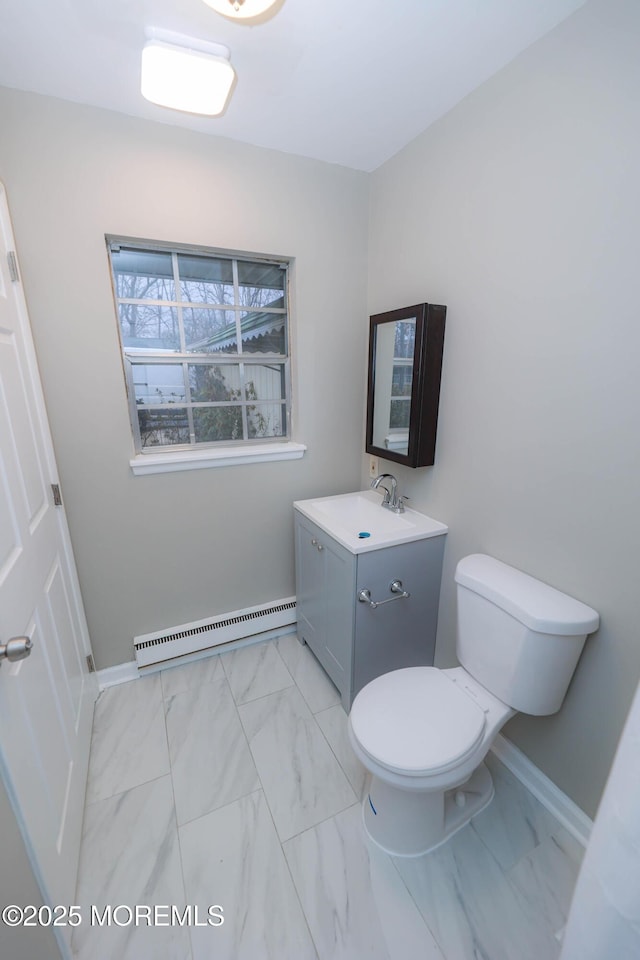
x: 401, y: 633
x: 340, y: 584
x: 310, y: 585
x: 325, y: 585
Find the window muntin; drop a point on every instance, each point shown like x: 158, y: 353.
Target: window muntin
x: 205, y: 346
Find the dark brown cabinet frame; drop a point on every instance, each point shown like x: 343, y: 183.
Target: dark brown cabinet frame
x: 425, y: 391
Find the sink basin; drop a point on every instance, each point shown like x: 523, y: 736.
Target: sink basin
x: 360, y: 523
x: 356, y: 512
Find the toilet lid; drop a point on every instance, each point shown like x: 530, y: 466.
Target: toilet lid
x: 416, y: 720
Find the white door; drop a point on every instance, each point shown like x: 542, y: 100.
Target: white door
x: 46, y: 700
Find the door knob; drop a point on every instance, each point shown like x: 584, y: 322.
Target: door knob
x: 18, y: 648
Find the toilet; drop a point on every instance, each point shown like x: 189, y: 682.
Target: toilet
x: 423, y: 732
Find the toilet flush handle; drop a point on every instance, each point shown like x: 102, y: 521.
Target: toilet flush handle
x: 364, y: 595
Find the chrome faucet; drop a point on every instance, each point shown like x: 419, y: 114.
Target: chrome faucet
x: 390, y: 500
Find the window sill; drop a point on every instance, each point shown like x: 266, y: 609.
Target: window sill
x: 144, y: 464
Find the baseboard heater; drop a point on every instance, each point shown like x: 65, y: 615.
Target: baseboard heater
x: 262, y: 621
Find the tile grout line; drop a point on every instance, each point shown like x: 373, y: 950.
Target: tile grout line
x: 288, y: 868
x: 175, y: 812
x: 315, y: 715
x: 179, y: 826
x: 90, y: 777
x: 270, y: 812
x: 313, y: 826
x: 308, y: 653
x: 202, y: 683
x: 121, y: 793
x: 417, y: 905
x: 263, y: 695
x: 506, y: 873
x: 266, y: 795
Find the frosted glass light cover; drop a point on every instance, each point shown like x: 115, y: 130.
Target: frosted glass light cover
x: 187, y: 80
x: 245, y: 10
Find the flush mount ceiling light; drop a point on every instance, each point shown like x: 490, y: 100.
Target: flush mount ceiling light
x: 196, y: 78
x: 245, y: 11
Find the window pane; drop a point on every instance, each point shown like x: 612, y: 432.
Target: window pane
x: 217, y: 423
x: 402, y: 380
x: 263, y: 333
x: 264, y: 382
x: 163, y: 427
x: 210, y: 331
x: 205, y: 279
x: 266, y: 420
x: 158, y: 383
x: 149, y: 326
x: 143, y: 275
x: 214, y: 383
x: 405, y: 339
x: 261, y: 284
x: 399, y: 416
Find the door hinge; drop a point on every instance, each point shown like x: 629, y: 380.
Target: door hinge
x: 91, y: 667
x: 57, y: 496
x: 13, y: 266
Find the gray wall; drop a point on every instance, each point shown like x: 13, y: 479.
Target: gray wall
x: 520, y: 211
x: 153, y: 552
x: 19, y: 886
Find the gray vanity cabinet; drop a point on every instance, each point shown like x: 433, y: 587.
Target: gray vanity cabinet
x: 354, y: 641
x: 325, y: 587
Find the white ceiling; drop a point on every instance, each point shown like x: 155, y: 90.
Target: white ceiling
x: 346, y: 81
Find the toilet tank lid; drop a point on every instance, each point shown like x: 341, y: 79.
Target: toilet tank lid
x: 537, y: 605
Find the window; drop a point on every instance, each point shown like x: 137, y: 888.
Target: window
x: 204, y: 339
x: 402, y: 378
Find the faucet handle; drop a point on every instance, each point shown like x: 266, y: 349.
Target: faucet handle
x: 401, y: 502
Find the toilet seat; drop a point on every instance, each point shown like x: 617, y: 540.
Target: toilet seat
x: 416, y: 721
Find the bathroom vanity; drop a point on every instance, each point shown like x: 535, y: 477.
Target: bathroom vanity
x: 355, y: 564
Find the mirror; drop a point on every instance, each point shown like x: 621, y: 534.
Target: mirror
x: 405, y: 365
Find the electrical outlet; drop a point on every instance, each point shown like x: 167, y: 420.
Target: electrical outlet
x: 373, y: 467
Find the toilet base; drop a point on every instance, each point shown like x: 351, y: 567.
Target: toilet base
x: 408, y: 823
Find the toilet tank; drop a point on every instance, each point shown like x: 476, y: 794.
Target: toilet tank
x: 520, y: 638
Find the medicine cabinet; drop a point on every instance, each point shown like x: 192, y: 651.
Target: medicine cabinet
x: 405, y: 366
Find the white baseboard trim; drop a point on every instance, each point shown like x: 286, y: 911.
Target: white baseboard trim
x: 123, y: 672
x: 550, y: 796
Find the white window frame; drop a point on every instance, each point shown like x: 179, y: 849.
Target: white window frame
x: 196, y: 455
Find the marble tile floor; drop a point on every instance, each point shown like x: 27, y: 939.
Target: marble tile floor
x: 230, y: 782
